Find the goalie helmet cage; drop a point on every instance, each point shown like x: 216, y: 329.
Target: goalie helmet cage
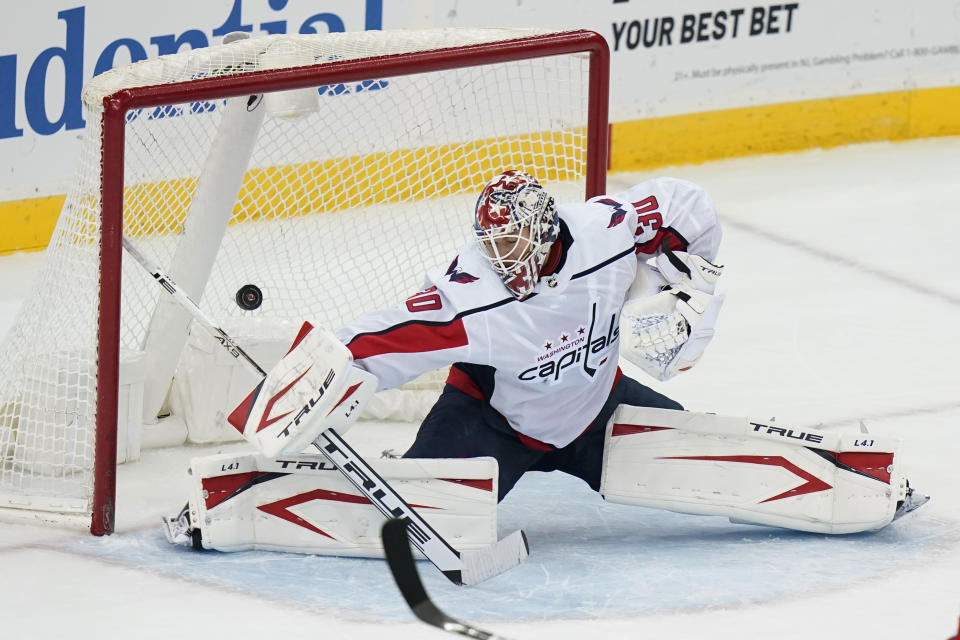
x: 359, y: 178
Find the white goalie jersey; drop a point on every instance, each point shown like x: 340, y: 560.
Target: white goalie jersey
x: 546, y: 363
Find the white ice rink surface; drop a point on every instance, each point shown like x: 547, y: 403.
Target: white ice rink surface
x: 843, y: 303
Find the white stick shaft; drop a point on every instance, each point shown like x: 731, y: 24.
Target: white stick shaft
x: 187, y: 303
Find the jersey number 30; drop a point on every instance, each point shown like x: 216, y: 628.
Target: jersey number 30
x: 647, y: 221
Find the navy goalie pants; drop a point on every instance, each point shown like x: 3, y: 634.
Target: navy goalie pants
x: 462, y: 426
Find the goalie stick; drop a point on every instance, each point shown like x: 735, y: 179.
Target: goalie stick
x: 400, y: 560
x: 466, y: 567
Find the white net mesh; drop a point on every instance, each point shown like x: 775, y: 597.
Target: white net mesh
x: 340, y: 211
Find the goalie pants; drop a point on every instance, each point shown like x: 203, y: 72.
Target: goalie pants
x: 464, y: 425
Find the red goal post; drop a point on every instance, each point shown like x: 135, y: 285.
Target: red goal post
x: 129, y: 195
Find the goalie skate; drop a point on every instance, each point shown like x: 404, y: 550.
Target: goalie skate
x: 178, y: 529
x: 911, y: 502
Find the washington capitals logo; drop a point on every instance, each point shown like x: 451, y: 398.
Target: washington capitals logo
x: 459, y: 275
x: 619, y: 213
x: 579, y: 350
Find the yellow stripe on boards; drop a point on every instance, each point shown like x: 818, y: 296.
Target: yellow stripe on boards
x: 779, y: 128
x: 934, y: 112
x: 409, y: 175
x: 26, y: 225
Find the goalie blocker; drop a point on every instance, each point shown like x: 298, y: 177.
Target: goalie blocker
x: 754, y: 472
x: 314, y: 387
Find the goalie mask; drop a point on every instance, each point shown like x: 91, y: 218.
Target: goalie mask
x: 516, y: 223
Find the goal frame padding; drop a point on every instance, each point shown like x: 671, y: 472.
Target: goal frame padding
x: 113, y: 121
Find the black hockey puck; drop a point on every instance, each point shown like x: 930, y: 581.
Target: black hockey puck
x: 249, y: 297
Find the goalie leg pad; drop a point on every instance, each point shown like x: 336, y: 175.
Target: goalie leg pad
x: 751, y: 472
x: 303, y: 504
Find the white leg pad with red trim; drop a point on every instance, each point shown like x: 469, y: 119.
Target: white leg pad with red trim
x: 755, y: 472
x: 303, y: 504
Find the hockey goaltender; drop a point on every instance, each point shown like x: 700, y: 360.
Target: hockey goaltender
x: 531, y: 317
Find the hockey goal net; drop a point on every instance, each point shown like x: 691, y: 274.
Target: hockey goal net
x: 328, y: 171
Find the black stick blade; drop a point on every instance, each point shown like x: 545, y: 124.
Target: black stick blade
x: 396, y: 547
x: 399, y: 556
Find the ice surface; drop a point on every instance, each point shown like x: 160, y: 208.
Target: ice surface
x: 842, y: 303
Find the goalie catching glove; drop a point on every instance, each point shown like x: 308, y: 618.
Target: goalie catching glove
x: 665, y: 333
x: 314, y: 387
